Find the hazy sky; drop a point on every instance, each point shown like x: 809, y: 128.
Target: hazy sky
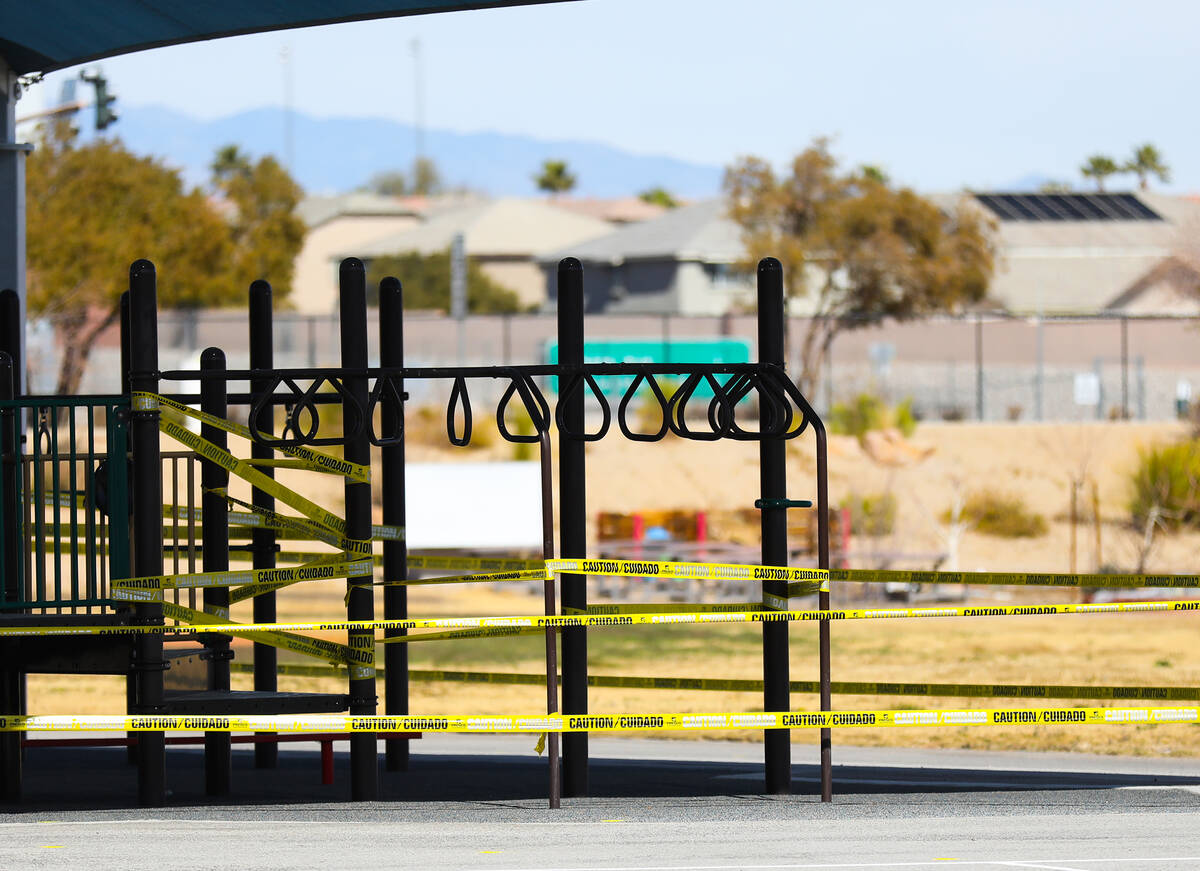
x: 943, y: 94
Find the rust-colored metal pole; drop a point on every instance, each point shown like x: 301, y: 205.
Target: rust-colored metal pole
x: 552, y: 738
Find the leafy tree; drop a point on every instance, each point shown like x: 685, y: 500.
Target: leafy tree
x: 426, y: 280
x: 91, y: 210
x: 1055, y: 187
x: 554, y: 177
x: 658, y: 196
x: 266, y: 231
x: 861, y: 250
x: 424, y: 179
x: 427, y: 181
x: 392, y: 183
x: 875, y: 173
x: 1147, y: 161
x: 1099, y: 167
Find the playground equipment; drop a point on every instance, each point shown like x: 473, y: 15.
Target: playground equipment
x: 85, y: 588
x: 371, y: 402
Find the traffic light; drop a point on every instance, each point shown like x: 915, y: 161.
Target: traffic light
x: 105, y: 114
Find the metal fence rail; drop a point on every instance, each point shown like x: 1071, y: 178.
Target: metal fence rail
x: 70, y: 489
x: 979, y: 367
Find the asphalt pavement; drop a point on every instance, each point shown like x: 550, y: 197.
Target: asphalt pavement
x: 478, y: 802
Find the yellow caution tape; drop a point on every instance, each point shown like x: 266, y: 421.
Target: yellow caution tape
x: 865, y: 688
x: 282, y: 526
x: 555, y: 622
x: 686, y: 722
x: 668, y: 608
x: 730, y: 571
x: 476, y: 564
x: 171, y: 426
x: 310, y: 529
x: 707, y: 684
x: 488, y: 577
x: 363, y: 568
x: 685, y: 571
x: 147, y: 588
x: 302, y: 457
x: 361, y: 662
x: 1033, y: 579
x: 459, y: 634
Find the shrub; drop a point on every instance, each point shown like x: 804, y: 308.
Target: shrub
x: 649, y: 416
x: 520, y: 423
x: 871, y: 513
x: 905, y: 419
x: 868, y: 412
x: 1167, y: 478
x: 1002, y: 515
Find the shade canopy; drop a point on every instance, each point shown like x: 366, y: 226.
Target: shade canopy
x: 51, y: 34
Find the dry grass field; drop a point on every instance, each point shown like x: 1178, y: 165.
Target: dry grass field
x: 1036, y: 462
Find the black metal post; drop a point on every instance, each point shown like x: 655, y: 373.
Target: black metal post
x: 148, y: 664
x: 12, y: 334
x: 553, y: 738
x: 395, y: 553
x: 10, y: 535
x: 772, y: 458
x: 364, y: 772
x: 262, y: 358
x: 218, y: 758
x: 572, y: 515
x: 131, y: 751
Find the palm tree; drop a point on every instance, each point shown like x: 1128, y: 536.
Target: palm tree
x: 554, y: 177
x: 1145, y: 163
x: 1098, y: 168
x: 229, y: 161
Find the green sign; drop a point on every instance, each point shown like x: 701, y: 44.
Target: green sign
x: 654, y: 351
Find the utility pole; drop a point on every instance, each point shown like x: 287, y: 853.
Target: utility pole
x: 289, y: 155
x: 418, y: 104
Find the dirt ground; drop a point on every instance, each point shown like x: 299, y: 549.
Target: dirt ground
x: 1036, y: 462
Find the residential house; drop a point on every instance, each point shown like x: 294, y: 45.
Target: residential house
x: 343, y: 223
x: 506, y: 237
x: 1084, y: 253
x: 1056, y: 254
x: 683, y: 262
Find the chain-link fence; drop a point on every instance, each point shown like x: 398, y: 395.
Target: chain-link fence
x: 973, y: 368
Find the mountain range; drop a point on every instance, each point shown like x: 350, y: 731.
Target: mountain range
x: 333, y: 155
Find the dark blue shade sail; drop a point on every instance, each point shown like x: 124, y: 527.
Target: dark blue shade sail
x: 45, y: 35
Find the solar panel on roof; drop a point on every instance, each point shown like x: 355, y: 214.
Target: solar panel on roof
x: 1067, y: 207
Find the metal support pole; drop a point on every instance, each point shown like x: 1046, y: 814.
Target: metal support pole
x: 395, y: 553
x: 262, y: 358
x: 823, y: 603
x: 572, y: 515
x: 10, y: 563
x: 148, y: 664
x: 979, y: 410
x: 553, y: 738
x: 364, y: 770
x: 772, y: 459
x: 131, y: 751
x: 218, y: 758
x: 12, y: 206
